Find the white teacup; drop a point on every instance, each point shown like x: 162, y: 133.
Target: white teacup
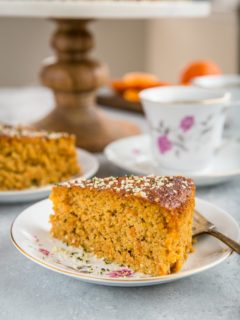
x: 186, y: 125
x: 230, y: 83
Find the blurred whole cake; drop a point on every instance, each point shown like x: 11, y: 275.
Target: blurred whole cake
x: 35, y: 158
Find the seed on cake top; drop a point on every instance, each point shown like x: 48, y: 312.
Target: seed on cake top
x: 19, y: 131
x: 169, y: 191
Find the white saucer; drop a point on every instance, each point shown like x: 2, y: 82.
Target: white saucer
x: 86, y: 160
x: 134, y: 155
x: 30, y: 234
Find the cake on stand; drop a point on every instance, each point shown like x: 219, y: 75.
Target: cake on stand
x: 73, y: 76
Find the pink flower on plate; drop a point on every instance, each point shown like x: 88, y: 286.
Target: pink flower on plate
x: 44, y: 251
x: 136, y: 151
x: 164, y: 144
x: 187, y: 123
x: 121, y: 273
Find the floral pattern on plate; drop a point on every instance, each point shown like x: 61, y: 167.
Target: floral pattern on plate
x: 30, y: 233
x: 81, y: 261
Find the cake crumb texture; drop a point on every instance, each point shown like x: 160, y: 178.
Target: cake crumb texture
x: 144, y: 223
x: 35, y: 158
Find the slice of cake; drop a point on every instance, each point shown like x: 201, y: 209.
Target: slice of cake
x: 35, y: 158
x: 142, y: 222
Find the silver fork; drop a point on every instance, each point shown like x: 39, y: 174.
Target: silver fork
x: 201, y: 226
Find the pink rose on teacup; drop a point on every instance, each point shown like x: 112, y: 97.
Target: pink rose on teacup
x: 164, y: 144
x: 187, y: 123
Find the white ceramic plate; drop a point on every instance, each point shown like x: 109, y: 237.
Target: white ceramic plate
x: 103, y: 9
x: 30, y: 234
x: 134, y: 154
x: 89, y: 166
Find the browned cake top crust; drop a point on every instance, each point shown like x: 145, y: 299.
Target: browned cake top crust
x: 169, y: 192
x: 10, y: 131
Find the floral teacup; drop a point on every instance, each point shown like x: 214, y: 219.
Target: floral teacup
x: 186, y: 125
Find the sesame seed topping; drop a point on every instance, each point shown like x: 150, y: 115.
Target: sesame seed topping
x: 169, y: 192
x: 19, y: 131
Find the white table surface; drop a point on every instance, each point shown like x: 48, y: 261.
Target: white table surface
x: 103, y: 9
x: 29, y: 292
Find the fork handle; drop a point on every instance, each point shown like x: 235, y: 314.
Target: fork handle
x: 229, y: 242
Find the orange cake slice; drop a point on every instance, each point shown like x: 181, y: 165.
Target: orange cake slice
x: 35, y: 158
x: 142, y: 222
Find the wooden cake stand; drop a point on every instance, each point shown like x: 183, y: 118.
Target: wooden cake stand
x: 73, y: 76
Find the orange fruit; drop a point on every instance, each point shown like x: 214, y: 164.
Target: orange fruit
x: 197, y: 69
x: 132, y: 83
x: 161, y: 84
x: 131, y: 95
x: 118, y: 85
x: 139, y: 80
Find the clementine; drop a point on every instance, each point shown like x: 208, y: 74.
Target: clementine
x: 197, y: 69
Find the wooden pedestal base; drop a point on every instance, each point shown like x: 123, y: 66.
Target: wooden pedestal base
x: 93, y: 132
x: 74, y: 78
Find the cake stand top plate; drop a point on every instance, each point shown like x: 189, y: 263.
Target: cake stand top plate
x: 103, y: 9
